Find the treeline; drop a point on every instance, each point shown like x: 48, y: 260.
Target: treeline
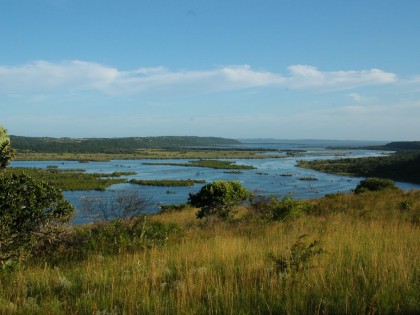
x: 401, y: 166
x: 399, y: 146
x: 112, y: 145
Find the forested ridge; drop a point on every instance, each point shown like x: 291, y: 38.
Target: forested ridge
x: 403, y: 165
x: 398, y: 146
x: 112, y: 145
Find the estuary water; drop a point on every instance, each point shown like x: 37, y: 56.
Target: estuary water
x: 271, y: 176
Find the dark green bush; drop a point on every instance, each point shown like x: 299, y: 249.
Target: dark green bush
x: 218, y: 198
x: 374, y: 184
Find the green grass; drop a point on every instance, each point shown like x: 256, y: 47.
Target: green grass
x: 72, y: 179
x: 360, y: 256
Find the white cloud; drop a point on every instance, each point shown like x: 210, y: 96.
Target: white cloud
x: 303, y: 76
x: 44, y: 77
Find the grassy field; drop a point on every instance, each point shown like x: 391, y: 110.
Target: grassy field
x: 359, y: 256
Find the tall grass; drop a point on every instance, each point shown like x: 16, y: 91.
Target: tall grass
x: 370, y: 265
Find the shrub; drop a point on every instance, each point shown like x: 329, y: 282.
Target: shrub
x: 6, y: 151
x: 299, y: 257
x: 272, y: 209
x: 374, y: 184
x: 218, y: 198
x: 30, y: 212
x: 109, y: 238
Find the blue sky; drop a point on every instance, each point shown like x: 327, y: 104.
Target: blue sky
x: 239, y: 69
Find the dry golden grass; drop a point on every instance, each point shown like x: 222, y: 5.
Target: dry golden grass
x: 371, y: 266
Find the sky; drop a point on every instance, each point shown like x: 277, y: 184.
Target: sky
x: 285, y: 69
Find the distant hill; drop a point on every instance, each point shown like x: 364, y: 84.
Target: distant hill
x: 411, y: 145
x: 112, y: 145
x: 399, y: 146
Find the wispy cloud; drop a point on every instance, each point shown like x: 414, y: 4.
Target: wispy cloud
x: 360, y: 98
x: 70, y: 76
x: 44, y: 77
x: 303, y: 76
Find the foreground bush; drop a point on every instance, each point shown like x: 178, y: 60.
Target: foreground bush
x: 272, y: 209
x: 30, y: 212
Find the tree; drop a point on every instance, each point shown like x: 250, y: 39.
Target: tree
x: 218, y: 198
x: 6, y: 151
x: 31, y: 211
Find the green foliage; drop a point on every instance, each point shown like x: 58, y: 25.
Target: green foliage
x: 30, y: 212
x: 299, y: 257
x: 218, y: 198
x: 406, y: 205
x: 272, y: 209
x: 6, y: 151
x: 108, y: 238
x: 119, y: 236
x: 374, y: 184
